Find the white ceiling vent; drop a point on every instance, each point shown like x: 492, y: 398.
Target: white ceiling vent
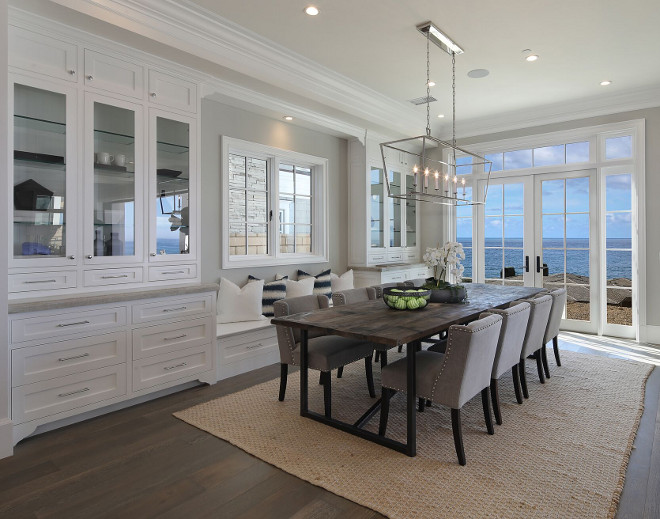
x: 422, y: 100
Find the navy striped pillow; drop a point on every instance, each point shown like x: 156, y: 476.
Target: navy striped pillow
x: 322, y: 282
x: 273, y: 291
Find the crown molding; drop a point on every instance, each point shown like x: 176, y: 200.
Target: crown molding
x: 559, y: 113
x: 190, y: 28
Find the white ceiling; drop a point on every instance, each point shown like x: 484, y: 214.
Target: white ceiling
x: 361, y: 51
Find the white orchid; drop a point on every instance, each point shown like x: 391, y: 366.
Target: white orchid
x: 445, y: 261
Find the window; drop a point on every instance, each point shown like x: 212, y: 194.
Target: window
x: 274, y: 204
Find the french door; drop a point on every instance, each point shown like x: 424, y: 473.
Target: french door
x: 542, y: 231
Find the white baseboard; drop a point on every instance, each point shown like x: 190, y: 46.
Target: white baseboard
x: 650, y: 334
x: 6, y: 438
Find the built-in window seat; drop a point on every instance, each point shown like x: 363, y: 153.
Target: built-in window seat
x: 245, y: 346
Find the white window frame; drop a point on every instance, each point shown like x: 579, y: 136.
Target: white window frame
x: 319, y: 189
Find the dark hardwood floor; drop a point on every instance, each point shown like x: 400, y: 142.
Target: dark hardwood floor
x: 143, y: 462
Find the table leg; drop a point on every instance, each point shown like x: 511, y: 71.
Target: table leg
x: 304, y: 403
x: 411, y: 436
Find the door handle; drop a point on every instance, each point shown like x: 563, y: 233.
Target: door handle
x: 526, y: 263
x: 538, y: 264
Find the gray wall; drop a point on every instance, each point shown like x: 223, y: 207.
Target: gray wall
x: 223, y: 120
x: 652, y: 116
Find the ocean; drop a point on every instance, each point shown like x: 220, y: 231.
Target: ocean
x: 619, y: 262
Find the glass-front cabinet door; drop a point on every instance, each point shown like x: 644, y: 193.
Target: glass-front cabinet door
x: 43, y: 230
x: 113, y: 225
x: 395, y: 209
x: 171, y: 182
x: 411, y: 215
x: 377, y: 209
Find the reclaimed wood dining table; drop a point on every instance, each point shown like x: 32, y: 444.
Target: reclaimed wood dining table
x: 375, y: 322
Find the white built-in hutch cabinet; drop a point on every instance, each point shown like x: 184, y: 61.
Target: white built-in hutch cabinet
x: 106, y: 304
x: 383, y: 236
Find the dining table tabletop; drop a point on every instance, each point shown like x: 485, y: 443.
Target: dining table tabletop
x: 373, y: 321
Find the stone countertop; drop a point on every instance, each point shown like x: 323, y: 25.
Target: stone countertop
x: 100, y: 298
x: 390, y: 266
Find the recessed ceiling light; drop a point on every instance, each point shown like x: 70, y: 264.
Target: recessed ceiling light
x: 311, y: 10
x: 431, y: 83
x: 532, y: 57
x: 288, y: 118
x: 441, y: 115
x: 605, y: 83
x: 478, y: 72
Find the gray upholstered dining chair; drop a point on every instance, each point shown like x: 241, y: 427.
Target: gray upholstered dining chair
x: 509, y: 346
x: 325, y: 352
x: 552, y: 330
x: 360, y: 295
x: 533, y: 343
x: 452, y: 378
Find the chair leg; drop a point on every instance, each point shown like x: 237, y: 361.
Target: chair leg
x: 327, y: 393
x: 284, y: 371
x: 539, y: 365
x: 544, y: 358
x: 516, y: 384
x: 384, y: 410
x: 458, y: 435
x: 377, y: 356
x: 370, y: 376
x: 340, y: 371
x: 495, y: 397
x: 421, y: 404
x: 383, y: 359
x: 523, y: 377
x: 485, y: 402
x: 429, y: 403
x: 400, y: 348
x: 555, y: 346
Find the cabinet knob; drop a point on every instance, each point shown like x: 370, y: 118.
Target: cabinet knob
x: 153, y: 95
x: 72, y: 257
x: 71, y: 72
x: 152, y: 254
x: 89, y: 256
x: 90, y: 77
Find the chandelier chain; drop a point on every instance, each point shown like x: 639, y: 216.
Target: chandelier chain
x: 453, y: 99
x: 428, y: 86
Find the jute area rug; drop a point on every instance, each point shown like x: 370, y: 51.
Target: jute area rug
x: 562, y: 453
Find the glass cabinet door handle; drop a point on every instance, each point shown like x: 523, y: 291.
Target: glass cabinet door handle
x: 89, y: 256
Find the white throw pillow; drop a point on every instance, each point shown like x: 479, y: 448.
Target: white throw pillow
x: 343, y: 282
x: 240, y: 304
x: 304, y: 287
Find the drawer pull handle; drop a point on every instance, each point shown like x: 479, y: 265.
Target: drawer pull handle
x: 174, y: 272
x: 254, y: 346
x: 174, y: 338
x: 64, y: 359
x: 175, y: 309
x: 115, y: 277
x: 83, y: 390
x: 169, y: 368
x: 41, y: 281
x: 62, y: 325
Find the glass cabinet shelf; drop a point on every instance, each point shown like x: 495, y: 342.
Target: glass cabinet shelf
x: 40, y: 158
x: 169, y: 147
x: 34, y: 123
x: 118, y: 138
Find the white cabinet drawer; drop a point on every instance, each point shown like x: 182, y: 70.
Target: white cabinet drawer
x: 417, y: 274
x: 113, y: 75
x: 169, y: 309
x: 42, y: 54
x: 395, y: 256
x: 168, y: 90
x: 153, y: 371
x: 42, y: 281
x: 393, y: 276
x: 411, y: 256
x: 101, y: 277
x: 53, y: 325
x: 375, y: 259
x: 165, y: 338
x: 37, y: 363
x: 49, y: 397
x: 248, y: 344
x: 171, y: 273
